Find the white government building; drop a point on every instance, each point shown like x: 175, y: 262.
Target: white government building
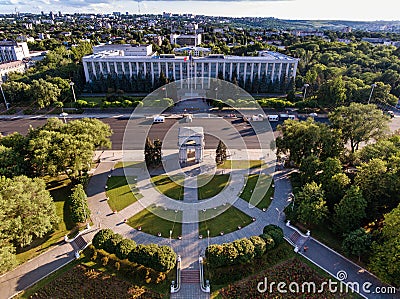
x: 131, y: 60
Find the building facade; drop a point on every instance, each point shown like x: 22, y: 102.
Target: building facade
x: 271, y: 67
x: 11, y: 67
x: 12, y: 51
x: 186, y: 39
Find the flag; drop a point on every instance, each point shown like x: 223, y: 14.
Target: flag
x: 185, y: 58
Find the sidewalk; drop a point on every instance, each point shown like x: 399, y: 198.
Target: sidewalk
x: 34, y: 270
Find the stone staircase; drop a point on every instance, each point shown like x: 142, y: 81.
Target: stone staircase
x: 79, y: 243
x: 190, y: 276
x: 295, y: 237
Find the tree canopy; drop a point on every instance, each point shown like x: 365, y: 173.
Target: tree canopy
x: 359, y: 123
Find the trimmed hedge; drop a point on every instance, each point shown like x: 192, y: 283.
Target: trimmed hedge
x: 124, y: 248
x: 159, y: 258
x: 240, y: 251
x: 275, y: 232
x: 101, y: 237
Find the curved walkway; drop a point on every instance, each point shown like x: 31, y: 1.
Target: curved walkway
x: 190, y: 247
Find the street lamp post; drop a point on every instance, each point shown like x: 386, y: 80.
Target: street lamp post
x: 170, y: 236
x: 372, y: 90
x: 73, y: 91
x: 2, y: 93
x: 305, y: 90
x: 294, y: 199
x: 208, y: 238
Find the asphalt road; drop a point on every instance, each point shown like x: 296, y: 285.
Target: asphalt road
x: 118, y: 125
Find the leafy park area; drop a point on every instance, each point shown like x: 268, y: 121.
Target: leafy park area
x: 226, y: 222
x: 173, y: 188
x: 211, y: 185
x: 41, y: 190
x: 121, y: 194
x: 148, y: 221
x: 240, y: 164
x: 349, y: 196
x: 260, y: 196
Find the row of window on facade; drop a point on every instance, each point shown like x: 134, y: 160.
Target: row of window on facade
x: 178, y: 71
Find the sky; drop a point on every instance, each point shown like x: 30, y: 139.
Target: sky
x: 357, y: 10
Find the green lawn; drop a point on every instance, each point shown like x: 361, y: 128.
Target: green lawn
x: 121, y: 194
x: 214, y: 186
x: 126, y: 164
x: 171, y: 188
x: 240, y: 164
x: 60, y: 189
x: 226, y: 222
x: 263, y: 185
x: 153, y: 224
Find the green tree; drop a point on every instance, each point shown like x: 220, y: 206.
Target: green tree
x: 335, y: 188
x: 27, y: 210
x: 357, y: 242
x: 350, y: 211
x: 149, y: 152
x: 332, y: 93
x: 44, y: 93
x: 221, y: 155
x: 303, y: 139
x: 312, y: 207
x: 359, y: 123
x: 373, y: 180
x: 80, y: 50
x: 8, y: 258
x: 78, y: 206
x: 385, y: 259
x: 309, y: 167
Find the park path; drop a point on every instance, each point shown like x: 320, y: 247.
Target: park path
x: 39, y: 267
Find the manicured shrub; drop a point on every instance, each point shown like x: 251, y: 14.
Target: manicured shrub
x: 275, y: 232
x: 259, y: 246
x: 245, y: 250
x: 78, y: 206
x: 101, y: 237
x: 111, y: 244
x: 124, y: 248
x: 240, y: 251
x: 269, y: 241
x: 159, y: 258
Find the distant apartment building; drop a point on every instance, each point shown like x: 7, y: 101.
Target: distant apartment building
x: 307, y: 33
x: 186, y: 39
x: 11, y: 67
x: 11, y: 51
x: 125, y: 49
x: 380, y: 41
x: 218, y: 30
x: 141, y: 61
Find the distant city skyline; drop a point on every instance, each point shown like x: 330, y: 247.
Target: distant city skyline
x: 288, y: 9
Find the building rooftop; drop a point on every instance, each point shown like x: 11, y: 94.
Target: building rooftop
x: 266, y: 55
x: 199, y: 49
